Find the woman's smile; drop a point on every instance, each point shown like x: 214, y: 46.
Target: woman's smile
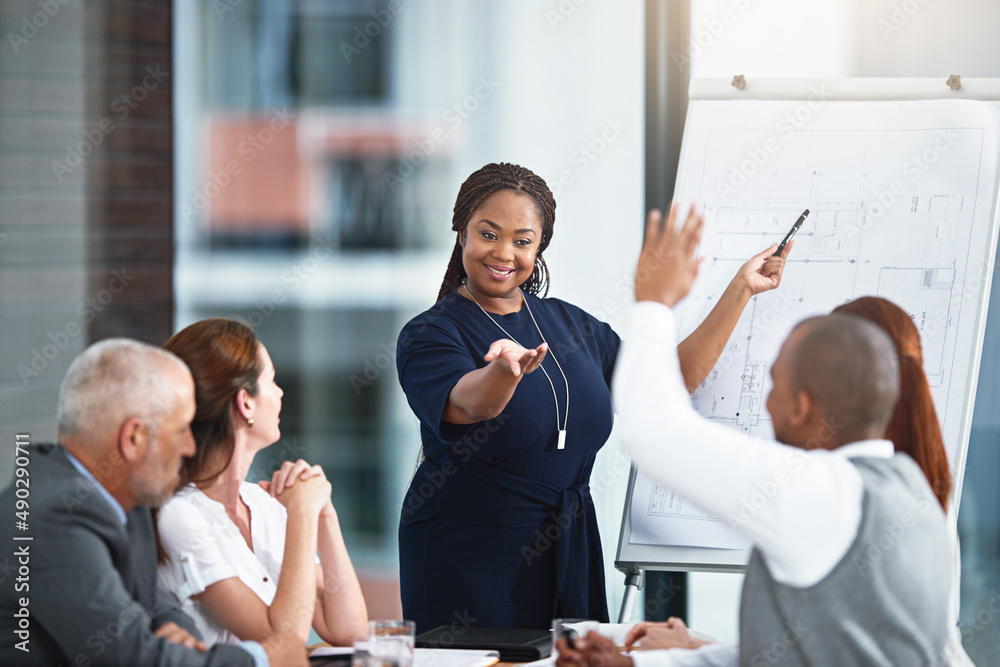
x: 499, y: 272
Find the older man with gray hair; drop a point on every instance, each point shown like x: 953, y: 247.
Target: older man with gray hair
x: 91, y: 596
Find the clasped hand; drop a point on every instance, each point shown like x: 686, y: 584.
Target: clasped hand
x: 299, y: 482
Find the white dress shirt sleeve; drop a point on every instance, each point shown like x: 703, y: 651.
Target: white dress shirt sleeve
x: 710, y: 655
x: 801, y: 508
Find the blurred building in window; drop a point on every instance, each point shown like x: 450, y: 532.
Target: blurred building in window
x: 320, y: 146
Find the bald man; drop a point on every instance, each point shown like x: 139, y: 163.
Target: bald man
x: 87, y: 593
x: 850, y: 559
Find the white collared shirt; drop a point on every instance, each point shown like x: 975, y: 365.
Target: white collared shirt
x: 812, y: 499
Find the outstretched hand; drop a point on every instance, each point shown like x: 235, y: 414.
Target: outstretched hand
x: 763, y: 271
x: 667, y: 266
x: 516, y: 359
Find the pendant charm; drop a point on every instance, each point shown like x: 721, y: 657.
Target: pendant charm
x: 562, y: 439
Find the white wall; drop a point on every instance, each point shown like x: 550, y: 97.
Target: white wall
x: 570, y: 105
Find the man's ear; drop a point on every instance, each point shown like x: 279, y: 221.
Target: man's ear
x: 133, y: 439
x: 803, y: 409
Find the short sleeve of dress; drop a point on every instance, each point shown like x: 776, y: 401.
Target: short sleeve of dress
x: 195, y: 559
x: 608, y: 343
x: 430, y: 360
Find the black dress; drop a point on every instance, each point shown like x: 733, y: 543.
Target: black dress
x: 498, y: 528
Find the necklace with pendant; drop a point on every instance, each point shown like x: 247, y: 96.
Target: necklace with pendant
x: 565, y: 422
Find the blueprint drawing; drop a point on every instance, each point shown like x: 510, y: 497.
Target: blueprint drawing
x: 901, y: 198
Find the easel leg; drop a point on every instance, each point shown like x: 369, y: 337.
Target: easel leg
x: 633, y: 582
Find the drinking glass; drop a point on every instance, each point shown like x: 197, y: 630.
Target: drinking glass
x: 390, y: 643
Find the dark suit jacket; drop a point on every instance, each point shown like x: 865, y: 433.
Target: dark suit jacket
x: 89, y: 582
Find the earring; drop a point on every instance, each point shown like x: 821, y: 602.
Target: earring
x: 250, y: 422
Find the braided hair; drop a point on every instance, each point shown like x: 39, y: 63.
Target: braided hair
x: 474, y: 193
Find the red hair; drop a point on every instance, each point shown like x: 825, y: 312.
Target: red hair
x: 223, y: 356
x: 914, y: 427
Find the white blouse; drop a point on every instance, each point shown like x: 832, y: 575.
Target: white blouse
x: 205, y: 546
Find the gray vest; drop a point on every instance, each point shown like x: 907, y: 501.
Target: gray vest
x: 884, y: 603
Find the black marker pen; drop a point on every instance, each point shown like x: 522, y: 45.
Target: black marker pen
x: 791, y: 232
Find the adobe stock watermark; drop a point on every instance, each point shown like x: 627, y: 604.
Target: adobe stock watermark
x: 769, y: 488
x: 547, y: 536
x: 453, y: 118
x: 890, y: 533
x: 666, y: 591
x: 588, y: 153
x: 290, y: 450
x: 899, y: 16
x: 758, y: 157
x: 30, y: 26
x: 223, y: 7
x: 455, y: 630
x: 122, y: 105
x: 87, y: 309
x: 423, y: 489
x: 101, y: 639
x: 780, y: 305
x: 985, y: 617
x: 249, y: 150
x: 320, y: 250
x: 914, y: 167
x: 703, y: 37
x: 562, y: 12
x: 374, y: 367
x: 930, y: 325
x: 776, y: 651
x: 363, y: 35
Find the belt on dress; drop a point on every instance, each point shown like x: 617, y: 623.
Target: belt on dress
x: 573, y: 533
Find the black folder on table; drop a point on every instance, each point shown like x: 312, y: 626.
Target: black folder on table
x: 514, y: 645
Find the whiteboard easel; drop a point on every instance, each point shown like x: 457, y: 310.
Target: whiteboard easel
x: 753, y: 191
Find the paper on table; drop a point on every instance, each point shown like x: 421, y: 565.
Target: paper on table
x: 454, y: 657
x: 321, y: 651
x: 428, y: 657
x: 616, y: 632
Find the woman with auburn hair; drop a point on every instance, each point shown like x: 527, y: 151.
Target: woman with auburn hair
x: 512, y: 391
x: 915, y: 430
x: 242, y: 558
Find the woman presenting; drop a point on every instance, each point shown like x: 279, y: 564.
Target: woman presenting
x: 498, y: 528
